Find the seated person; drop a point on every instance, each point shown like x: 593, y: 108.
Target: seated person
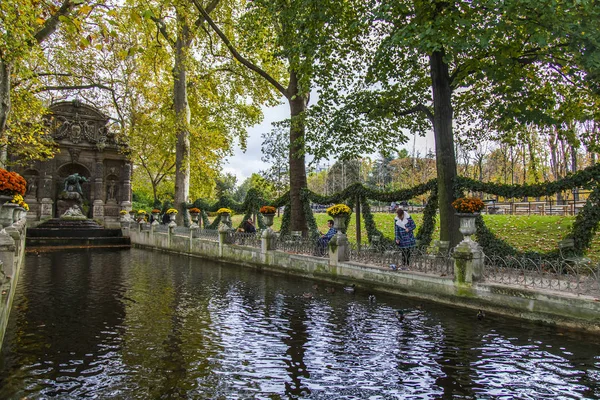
x: 324, y: 239
x: 248, y: 226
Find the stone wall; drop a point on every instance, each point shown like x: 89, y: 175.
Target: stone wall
x: 579, y: 312
x: 12, y: 254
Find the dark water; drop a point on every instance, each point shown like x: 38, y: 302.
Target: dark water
x: 140, y: 325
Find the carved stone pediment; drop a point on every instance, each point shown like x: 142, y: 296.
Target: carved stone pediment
x: 79, y: 123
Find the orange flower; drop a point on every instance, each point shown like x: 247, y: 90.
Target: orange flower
x: 468, y: 205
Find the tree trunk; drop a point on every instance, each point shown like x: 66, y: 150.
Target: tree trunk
x: 182, y: 114
x: 444, y: 147
x: 298, y: 182
x: 4, y: 104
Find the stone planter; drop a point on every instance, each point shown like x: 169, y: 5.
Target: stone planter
x: 467, y: 225
x: 268, y: 218
x: 195, y: 216
x: 226, y: 219
x: 19, y: 213
x: 340, y: 222
x: 172, y: 217
x: 7, y: 214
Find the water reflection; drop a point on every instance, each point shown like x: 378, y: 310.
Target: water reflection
x: 133, y: 324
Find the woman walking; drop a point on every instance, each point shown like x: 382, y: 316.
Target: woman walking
x: 405, y: 239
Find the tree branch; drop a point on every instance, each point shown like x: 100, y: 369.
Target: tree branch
x: 162, y: 28
x: 75, y: 87
x: 418, y: 108
x: 51, y: 23
x: 248, y: 64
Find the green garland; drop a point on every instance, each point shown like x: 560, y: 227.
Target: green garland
x: 586, y: 222
x: 584, y: 228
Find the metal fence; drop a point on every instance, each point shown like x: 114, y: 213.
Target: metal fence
x: 208, y: 234
x: 300, y: 245
x: 243, y: 238
x: 571, y: 275
x: 559, y: 275
x: 420, y: 259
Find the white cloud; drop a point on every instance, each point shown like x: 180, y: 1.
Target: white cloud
x: 244, y: 164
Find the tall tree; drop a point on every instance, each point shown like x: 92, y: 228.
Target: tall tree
x: 25, y: 24
x: 298, y: 36
x: 427, y: 57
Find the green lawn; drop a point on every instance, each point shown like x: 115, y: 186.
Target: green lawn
x: 524, y: 232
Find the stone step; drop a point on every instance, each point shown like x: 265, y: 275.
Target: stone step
x: 70, y: 242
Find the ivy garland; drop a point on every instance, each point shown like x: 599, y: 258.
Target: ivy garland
x: 584, y: 228
x: 586, y: 222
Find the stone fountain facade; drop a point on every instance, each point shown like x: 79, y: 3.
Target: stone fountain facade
x: 88, y: 147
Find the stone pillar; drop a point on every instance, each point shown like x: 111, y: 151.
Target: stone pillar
x: 222, y: 238
x: 339, y: 248
x: 267, y: 240
x: 194, y: 231
x: 45, y: 192
x: 46, y: 209
x: 98, y: 204
x: 7, y: 255
x: 468, y: 263
x: 126, y: 187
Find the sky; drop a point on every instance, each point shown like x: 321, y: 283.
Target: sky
x: 243, y: 165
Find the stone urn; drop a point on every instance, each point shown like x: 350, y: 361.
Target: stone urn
x: 19, y: 213
x: 467, y: 225
x: 195, y: 216
x: 132, y: 215
x: 226, y: 218
x: 172, y: 217
x: 339, y: 222
x: 268, y: 218
x: 7, y: 214
x: 155, y: 218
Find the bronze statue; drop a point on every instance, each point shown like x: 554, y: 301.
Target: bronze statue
x: 74, y: 181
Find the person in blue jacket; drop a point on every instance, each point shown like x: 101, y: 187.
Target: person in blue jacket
x: 324, y: 239
x: 405, y: 238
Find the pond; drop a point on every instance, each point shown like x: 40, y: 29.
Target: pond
x: 136, y: 324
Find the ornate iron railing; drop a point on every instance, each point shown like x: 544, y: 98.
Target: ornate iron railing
x: 300, y: 245
x: 558, y: 275
x: 207, y: 234
x: 161, y: 228
x: 419, y: 260
x: 243, y: 239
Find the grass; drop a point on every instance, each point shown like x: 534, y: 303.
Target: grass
x: 525, y: 232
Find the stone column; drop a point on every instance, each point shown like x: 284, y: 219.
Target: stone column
x: 98, y: 205
x: 7, y: 255
x: 126, y: 186
x: 267, y: 240
x: 468, y: 263
x: 339, y: 248
x: 45, y: 192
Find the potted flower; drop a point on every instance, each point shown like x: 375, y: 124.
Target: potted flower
x: 194, y: 212
x: 339, y: 213
x: 11, y: 185
x: 124, y: 215
x: 172, y: 213
x: 141, y: 214
x: 468, y: 209
x: 268, y: 213
x: 468, y: 205
x: 225, y: 214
